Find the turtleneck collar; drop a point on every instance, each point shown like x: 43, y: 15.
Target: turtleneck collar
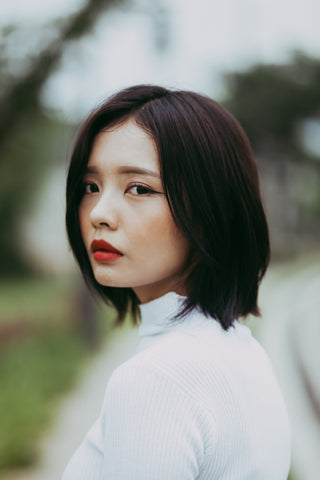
x: 157, y: 315
x: 157, y: 320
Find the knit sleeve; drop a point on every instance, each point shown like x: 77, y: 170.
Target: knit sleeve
x: 151, y: 428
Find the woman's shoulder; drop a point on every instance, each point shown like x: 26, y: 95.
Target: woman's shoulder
x: 196, y: 365
x: 193, y: 349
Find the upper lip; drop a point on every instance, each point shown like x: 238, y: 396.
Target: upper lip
x: 103, y: 245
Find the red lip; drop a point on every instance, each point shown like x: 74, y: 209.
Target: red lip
x: 104, y: 246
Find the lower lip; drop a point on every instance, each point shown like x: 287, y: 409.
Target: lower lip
x: 104, y: 256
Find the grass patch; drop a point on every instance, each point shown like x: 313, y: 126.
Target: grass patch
x: 33, y: 374
x: 41, y: 360
x: 38, y: 299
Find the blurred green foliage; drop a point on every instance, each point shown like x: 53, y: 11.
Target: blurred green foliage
x: 26, y: 156
x: 33, y: 373
x: 43, y: 349
x: 271, y: 102
x: 41, y: 300
x: 274, y: 104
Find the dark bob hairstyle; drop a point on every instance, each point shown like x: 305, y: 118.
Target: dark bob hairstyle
x: 211, y: 184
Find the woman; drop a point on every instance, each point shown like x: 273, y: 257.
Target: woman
x: 165, y: 219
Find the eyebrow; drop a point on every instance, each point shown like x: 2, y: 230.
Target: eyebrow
x: 127, y: 170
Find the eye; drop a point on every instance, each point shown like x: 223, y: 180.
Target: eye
x: 139, y: 190
x: 89, y: 188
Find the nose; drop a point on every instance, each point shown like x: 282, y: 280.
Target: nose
x: 104, y: 214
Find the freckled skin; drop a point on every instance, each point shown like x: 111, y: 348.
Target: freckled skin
x: 129, y: 210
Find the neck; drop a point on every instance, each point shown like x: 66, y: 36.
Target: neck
x: 149, y: 293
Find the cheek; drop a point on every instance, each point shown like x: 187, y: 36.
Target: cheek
x: 155, y: 224
x: 159, y: 234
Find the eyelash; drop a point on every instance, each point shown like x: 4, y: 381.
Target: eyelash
x: 148, y: 190
x: 137, y: 185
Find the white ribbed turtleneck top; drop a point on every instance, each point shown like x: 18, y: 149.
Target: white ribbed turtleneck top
x: 195, y: 402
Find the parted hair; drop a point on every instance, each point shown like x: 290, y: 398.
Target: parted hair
x: 211, y: 184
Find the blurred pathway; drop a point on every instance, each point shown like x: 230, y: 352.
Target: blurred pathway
x: 80, y: 409
x: 290, y: 301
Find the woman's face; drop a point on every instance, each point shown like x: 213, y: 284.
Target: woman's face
x: 124, y: 206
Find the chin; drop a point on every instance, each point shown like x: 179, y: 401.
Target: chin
x: 106, y: 281
x: 103, y: 279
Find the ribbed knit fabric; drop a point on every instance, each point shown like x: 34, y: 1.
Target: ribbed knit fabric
x: 195, y: 402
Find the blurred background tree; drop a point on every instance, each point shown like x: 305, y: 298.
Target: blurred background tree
x: 279, y: 108
x: 31, y: 140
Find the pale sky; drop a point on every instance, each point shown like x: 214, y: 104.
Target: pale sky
x: 207, y: 37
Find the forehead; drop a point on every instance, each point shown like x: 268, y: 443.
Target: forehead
x: 127, y: 144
